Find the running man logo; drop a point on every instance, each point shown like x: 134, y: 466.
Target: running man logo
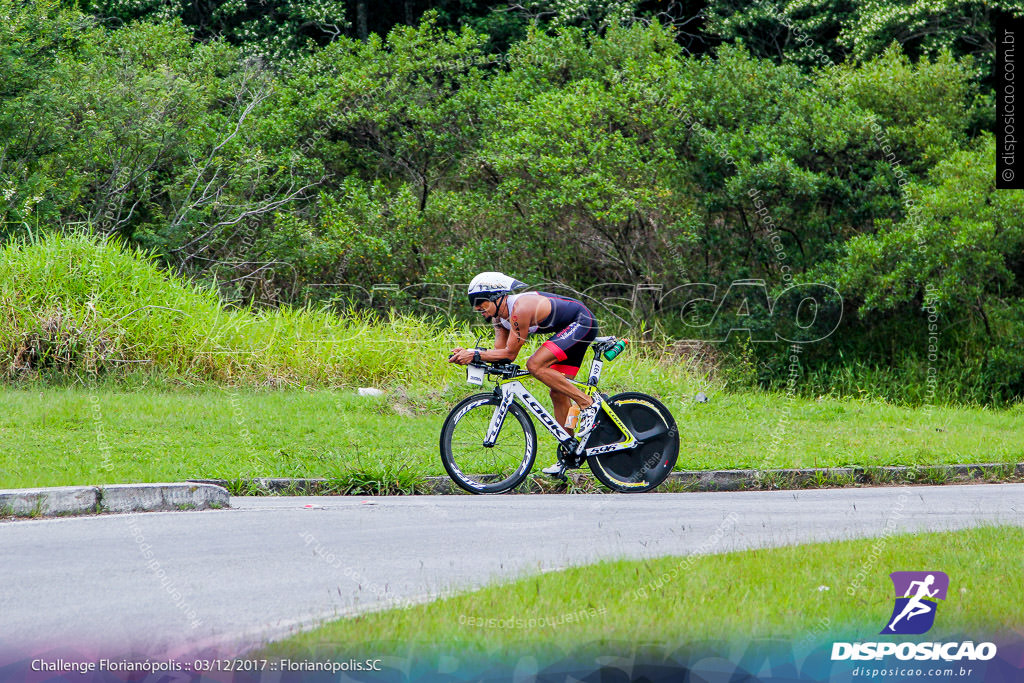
x: 917, y: 595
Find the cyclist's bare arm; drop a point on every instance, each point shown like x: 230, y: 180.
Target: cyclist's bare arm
x: 520, y: 318
x: 500, y: 337
x: 465, y: 356
x: 507, y: 343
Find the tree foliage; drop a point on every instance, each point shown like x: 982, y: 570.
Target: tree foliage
x: 808, y: 31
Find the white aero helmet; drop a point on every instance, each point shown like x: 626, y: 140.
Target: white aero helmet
x: 491, y: 286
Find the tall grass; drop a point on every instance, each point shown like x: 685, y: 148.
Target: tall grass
x: 72, y: 304
x: 81, y: 307
x: 911, y: 382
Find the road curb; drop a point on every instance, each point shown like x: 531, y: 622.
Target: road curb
x: 90, y: 500
x: 830, y: 477
x: 683, y: 480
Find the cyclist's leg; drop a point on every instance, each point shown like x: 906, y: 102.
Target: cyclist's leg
x: 561, y: 403
x: 561, y: 356
x: 540, y: 366
x: 569, y: 367
x: 575, y: 353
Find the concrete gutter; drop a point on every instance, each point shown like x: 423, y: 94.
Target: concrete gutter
x: 88, y: 500
x: 682, y: 480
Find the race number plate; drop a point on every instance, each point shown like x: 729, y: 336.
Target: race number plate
x: 475, y: 374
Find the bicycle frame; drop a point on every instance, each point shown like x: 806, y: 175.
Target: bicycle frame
x: 511, y: 389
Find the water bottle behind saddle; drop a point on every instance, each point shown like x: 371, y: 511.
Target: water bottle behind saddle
x: 616, y: 349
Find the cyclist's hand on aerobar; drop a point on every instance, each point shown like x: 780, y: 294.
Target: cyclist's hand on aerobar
x: 461, y: 356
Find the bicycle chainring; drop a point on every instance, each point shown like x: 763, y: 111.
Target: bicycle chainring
x: 569, y: 458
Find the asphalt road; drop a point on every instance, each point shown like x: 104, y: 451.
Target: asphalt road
x: 222, y: 581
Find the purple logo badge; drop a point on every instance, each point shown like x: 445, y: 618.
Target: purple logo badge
x: 917, y: 596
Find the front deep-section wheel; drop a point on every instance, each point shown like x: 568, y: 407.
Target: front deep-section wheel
x: 642, y: 468
x: 487, y: 469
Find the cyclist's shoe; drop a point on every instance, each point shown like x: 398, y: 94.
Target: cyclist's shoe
x: 556, y: 470
x: 588, y: 418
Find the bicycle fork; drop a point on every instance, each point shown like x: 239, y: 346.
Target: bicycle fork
x: 498, y: 419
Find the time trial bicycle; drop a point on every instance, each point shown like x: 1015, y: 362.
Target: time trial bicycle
x: 488, y: 441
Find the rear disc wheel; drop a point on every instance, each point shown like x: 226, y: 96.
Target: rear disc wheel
x: 645, y: 467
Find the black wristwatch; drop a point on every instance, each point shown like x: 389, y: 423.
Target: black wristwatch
x: 476, y: 355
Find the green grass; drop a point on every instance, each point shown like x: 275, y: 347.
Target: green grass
x: 672, y: 601
x: 768, y: 430
x: 112, y: 434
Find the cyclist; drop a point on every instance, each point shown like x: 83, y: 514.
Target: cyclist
x: 516, y: 317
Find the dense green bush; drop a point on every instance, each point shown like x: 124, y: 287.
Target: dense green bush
x: 954, y: 263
